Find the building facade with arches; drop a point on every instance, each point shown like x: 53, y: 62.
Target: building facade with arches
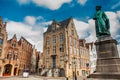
x: 15, y: 55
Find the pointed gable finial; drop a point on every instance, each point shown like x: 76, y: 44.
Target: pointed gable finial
x: 14, y: 37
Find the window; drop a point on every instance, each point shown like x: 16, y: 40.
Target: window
x: 48, y: 51
x: 47, y: 41
x: 62, y: 62
x: 70, y: 50
x: 53, y: 27
x: 83, y: 72
x: 75, y: 43
x: 9, y: 55
x: 54, y: 39
x: 54, y: 62
x: 70, y: 41
x: 72, y: 32
x: 54, y: 49
x: 61, y: 38
x: 15, y: 56
x: 72, y: 25
x: 61, y: 48
x: 1, y: 41
x: 14, y: 44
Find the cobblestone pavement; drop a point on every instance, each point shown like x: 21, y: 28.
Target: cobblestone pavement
x: 34, y: 77
x: 31, y: 77
x: 21, y: 78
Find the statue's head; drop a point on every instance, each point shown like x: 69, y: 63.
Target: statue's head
x: 98, y: 8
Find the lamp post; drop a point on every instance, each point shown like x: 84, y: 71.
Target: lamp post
x: 74, y: 61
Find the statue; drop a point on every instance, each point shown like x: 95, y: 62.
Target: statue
x: 101, y: 23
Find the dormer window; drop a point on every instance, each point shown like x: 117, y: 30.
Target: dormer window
x: 72, y: 32
x: 53, y: 27
x: 72, y: 25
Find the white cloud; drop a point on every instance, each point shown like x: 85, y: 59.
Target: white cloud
x: 83, y: 28
x: 50, y: 4
x: 118, y: 14
x: 114, y: 23
x: 33, y: 33
x: 87, y: 30
x: 23, y: 1
x: 82, y: 2
x: 53, y: 5
x: 30, y: 20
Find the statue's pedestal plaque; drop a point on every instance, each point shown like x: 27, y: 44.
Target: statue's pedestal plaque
x: 108, y: 61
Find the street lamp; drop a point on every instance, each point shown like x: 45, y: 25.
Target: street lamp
x: 74, y: 61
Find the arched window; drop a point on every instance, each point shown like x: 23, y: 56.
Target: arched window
x: 9, y: 55
x: 15, y: 56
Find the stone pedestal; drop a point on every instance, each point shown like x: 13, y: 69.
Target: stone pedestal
x: 108, y: 61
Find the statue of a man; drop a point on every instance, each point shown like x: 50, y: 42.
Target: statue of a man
x: 101, y: 23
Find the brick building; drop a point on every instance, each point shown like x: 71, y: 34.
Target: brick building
x: 3, y: 43
x: 15, y: 56
x: 25, y: 54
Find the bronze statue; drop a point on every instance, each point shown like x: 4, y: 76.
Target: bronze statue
x: 101, y: 23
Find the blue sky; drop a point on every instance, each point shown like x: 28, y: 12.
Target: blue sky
x: 30, y: 18
x: 17, y: 9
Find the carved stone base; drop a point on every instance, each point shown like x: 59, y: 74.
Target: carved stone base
x: 108, y: 61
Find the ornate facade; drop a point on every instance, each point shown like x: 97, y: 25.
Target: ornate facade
x: 61, y: 49
x: 3, y: 43
x: 15, y: 56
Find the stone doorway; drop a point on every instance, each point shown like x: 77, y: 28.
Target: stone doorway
x: 7, y: 70
x: 15, y: 71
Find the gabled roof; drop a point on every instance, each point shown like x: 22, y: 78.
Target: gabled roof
x: 24, y: 40
x: 62, y: 24
x: 14, y: 37
x: 65, y: 23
